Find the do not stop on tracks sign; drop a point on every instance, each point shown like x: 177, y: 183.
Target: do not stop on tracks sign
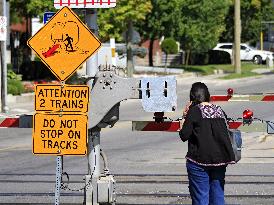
x: 59, y: 134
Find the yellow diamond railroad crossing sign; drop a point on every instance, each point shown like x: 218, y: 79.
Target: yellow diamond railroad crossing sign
x: 64, y: 43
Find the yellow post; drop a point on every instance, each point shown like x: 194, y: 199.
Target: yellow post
x: 262, y: 40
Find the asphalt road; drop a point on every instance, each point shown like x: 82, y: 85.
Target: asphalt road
x: 149, y: 167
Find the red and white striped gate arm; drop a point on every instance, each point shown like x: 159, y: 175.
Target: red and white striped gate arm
x: 6, y: 122
x: 22, y: 121
x: 253, y: 97
x: 255, y: 126
x: 85, y: 3
x: 244, y: 97
x: 174, y: 126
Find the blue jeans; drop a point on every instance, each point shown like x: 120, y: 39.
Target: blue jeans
x: 206, y: 184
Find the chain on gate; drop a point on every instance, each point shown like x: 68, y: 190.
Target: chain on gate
x: 65, y: 185
x: 244, y: 120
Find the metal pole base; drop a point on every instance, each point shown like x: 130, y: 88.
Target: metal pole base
x: 58, y: 179
x: 89, y: 194
x: 100, y: 190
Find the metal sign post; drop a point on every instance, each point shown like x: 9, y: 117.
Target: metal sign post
x: 59, y: 171
x: 3, y: 37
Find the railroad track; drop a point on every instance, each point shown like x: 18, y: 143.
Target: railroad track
x: 142, y: 189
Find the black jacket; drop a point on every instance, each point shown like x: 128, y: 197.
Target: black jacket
x: 206, y: 132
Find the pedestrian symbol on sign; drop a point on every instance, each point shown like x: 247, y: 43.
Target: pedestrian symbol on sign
x: 69, y: 44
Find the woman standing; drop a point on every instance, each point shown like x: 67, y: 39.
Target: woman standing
x: 209, y: 147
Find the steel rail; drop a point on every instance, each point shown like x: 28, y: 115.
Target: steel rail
x: 163, y: 195
x: 141, y: 175
x: 135, y: 182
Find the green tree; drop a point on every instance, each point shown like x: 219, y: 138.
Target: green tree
x: 115, y: 21
x: 29, y: 8
x: 169, y: 46
x: 201, y: 24
x: 26, y: 9
x: 121, y: 19
x: 161, y: 21
x: 252, y: 14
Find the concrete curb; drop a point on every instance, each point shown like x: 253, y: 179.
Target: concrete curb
x: 158, y: 70
x: 23, y: 98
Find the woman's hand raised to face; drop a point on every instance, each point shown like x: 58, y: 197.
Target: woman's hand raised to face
x: 186, y: 109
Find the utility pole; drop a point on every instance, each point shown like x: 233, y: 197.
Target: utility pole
x: 237, y: 36
x: 93, y: 134
x: 129, y: 36
x: 4, y: 107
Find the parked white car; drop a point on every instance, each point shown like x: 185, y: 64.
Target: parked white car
x: 247, y: 53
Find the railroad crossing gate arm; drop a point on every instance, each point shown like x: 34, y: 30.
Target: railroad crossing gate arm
x: 158, y: 94
x: 252, y: 125
x: 108, y: 91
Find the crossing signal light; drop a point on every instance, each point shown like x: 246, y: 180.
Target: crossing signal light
x: 230, y: 91
x: 247, y: 116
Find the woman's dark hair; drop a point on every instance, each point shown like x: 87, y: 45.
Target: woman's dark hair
x: 199, y: 93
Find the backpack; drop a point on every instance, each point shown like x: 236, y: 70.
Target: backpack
x: 235, y: 137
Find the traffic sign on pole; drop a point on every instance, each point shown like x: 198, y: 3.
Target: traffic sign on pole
x: 59, y: 134
x: 64, y: 43
x: 47, y: 16
x: 85, y: 3
x: 64, y: 98
x: 3, y: 28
